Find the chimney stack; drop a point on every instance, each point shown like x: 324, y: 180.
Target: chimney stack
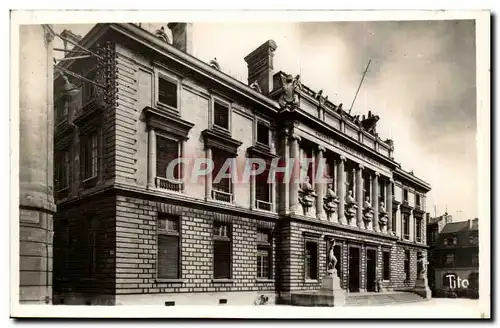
x: 75, y: 38
x: 182, y: 35
x: 260, y: 66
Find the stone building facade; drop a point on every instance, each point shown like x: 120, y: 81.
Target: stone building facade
x: 129, y: 233
x: 36, y: 195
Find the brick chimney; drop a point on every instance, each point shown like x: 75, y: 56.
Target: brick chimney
x: 260, y: 66
x: 67, y: 34
x: 182, y: 35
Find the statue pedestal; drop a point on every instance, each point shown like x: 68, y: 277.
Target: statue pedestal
x: 330, y: 294
x: 422, y: 287
x: 331, y: 285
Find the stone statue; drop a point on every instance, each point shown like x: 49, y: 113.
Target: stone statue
x: 350, y: 206
x: 349, y: 198
x: 383, y: 216
x: 367, y: 209
x: 382, y: 208
x: 422, y: 266
x: 290, y: 85
x: 306, y: 195
x: 321, y: 100
x: 332, y: 260
x: 330, y: 200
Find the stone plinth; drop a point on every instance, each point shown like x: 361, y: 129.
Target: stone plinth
x: 330, y: 294
x: 422, y: 287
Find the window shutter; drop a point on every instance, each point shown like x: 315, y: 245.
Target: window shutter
x: 168, y: 256
x: 222, y: 258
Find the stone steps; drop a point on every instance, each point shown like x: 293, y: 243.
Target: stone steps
x: 386, y: 298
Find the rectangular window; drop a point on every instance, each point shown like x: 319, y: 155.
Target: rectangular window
x: 406, y: 226
x: 264, y: 251
x: 263, y: 191
x: 450, y: 258
x: 222, y: 186
x: 386, y: 258
x: 311, y: 260
x: 418, y: 228
x: 394, y: 220
x: 418, y: 201
x: 90, y: 156
x: 405, y: 195
x: 221, y: 115
x: 222, y: 250
x: 473, y: 239
x: 366, y: 186
x: 263, y: 134
x: 407, y: 265
x: 168, y: 247
x: 167, y: 150
x: 167, y: 92
x: 381, y: 194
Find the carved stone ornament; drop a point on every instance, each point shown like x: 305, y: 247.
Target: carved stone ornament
x: 351, y: 208
x: 367, y: 210
x: 255, y: 85
x: 306, y: 195
x: 383, y: 216
x: 289, y: 99
x: 422, y: 266
x: 330, y: 201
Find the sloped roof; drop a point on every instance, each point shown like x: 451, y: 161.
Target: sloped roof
x: 456, y: 227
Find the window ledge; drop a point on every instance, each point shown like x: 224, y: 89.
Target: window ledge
x: 172, y: 281
x: 263, y: 280
x: 311, y: 281
x: 386, y: 280
x: 222, y: 280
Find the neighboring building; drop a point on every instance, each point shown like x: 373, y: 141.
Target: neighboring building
x: 127, y: 234
x: 454, y: 253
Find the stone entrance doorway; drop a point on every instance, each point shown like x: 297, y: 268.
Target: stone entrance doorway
x: 371, y: 268
x: 354, y: 269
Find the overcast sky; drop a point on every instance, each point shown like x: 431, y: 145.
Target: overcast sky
x: 421, y: 83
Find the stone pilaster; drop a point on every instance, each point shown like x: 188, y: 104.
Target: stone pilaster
x: 151, y: 158
x: 389, y: 206
x: 341, y: 188
x: 359, y: 195
x: 295, y: 176
x: 208, y: 176
x: 375, y: 202
x: 320, y: 185
x: 36, y: 167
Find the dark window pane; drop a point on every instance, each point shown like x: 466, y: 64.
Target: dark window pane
x: 311, y: 260
x: 224, y: 184
x: 222, y: 259
x: 167, y: 150
x: 263, y: 262
x: 221, y: 115
x: 263, y: 188
x: 263, y: 134
x: 168, y: 256
x: 387, y: 265
x: 167, y: 92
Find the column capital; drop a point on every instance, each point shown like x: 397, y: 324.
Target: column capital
x: 294, y: 136
x: 391, y: 180
x: 321, y: 149
x: 343, y: 158
x: 377, y: 174
x: 361, y: 166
